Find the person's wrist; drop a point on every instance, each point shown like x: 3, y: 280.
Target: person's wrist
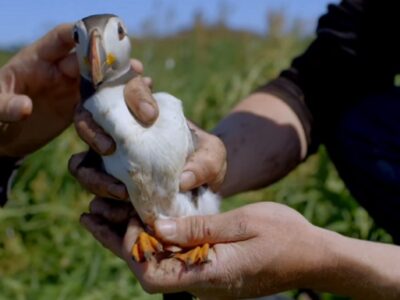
x: 339, y: 266
x: 319, y: 261
x: 358, y: 273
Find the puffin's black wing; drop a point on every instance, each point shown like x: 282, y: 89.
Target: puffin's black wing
x: 86, y: 89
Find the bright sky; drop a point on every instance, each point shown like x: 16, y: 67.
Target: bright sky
x: 23, y: 21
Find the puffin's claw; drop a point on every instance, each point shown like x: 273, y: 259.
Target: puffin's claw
x: 145, y: 247
x: 196, y: 256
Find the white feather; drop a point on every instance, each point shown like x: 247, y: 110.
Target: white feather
x: 149, y: 161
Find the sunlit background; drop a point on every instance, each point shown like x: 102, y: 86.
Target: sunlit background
x: 210, y: 54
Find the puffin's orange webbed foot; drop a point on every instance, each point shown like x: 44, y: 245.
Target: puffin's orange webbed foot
x: 145, y: 247
x: 196, y: 256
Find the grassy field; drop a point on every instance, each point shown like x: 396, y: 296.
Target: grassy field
x: 45, y: 253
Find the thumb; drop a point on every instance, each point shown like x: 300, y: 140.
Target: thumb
x: 231, y: 226
x: 140, y: 101
x: 14, y: 108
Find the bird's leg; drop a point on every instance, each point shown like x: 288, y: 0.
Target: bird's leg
x: 194, y: 256
x: 145, y: 247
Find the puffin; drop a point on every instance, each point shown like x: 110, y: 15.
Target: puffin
x: 148, y: 160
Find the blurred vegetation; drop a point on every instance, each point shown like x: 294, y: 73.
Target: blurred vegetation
x: 45, y: 253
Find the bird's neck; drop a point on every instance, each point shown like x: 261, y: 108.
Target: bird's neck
x: 87, y: 89
x: 122, y: 79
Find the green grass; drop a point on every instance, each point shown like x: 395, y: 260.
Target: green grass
x: 45, y: 253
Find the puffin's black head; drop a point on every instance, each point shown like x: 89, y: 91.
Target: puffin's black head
x: 102, y: 47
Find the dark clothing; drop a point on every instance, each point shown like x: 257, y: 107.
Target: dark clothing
x: 346, y: 79
x: 356, y: 54
x: 364, y: 145
x: 8, y: 168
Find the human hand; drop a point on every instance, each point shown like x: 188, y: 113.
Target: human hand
x: 86, y: 166
x: 207, y: 165
x: 38, y: 92
x: 259, y: 249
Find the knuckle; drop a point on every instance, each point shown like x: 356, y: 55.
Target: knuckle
x: 93, y: 206
x: 242, y: 227
x: 81, y: 127
x: 242, y: 222
x: 198, y: 229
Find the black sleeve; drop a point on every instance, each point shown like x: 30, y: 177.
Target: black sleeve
x: 354, y: 54
x: 8, y: 168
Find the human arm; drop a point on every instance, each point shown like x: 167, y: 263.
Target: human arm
x: 259, y: 249
x: 264, y: 139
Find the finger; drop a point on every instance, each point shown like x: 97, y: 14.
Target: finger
x: 96, y: 180
x: 137, y: 66
x: 103, y: 232
x: 207, y: 165
x: 92, y: 133
x: 14, y: 108
x: 140, y: 101
x: 231, y: 226
x: 69, y: 66
x: 113, y: 211
x: 56, y: 44
x: 148, y: 81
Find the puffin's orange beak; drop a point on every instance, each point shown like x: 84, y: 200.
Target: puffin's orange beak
x: 95, y: 58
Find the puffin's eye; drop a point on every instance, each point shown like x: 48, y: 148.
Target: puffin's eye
x: 76, y: 36
x: 121, y: 31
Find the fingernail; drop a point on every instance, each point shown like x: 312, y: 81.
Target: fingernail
x: 147, y: 112
x: 118, y: 191
x: 166, y: 228
x: 188, y: 179
x: 19, y: 107
x: 104, y: 144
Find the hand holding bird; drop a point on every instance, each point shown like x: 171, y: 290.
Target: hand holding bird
x: 260, y: 249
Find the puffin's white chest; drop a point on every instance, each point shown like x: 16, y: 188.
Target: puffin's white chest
x: 148, y: 161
